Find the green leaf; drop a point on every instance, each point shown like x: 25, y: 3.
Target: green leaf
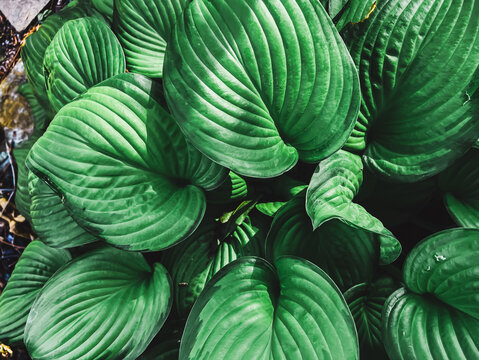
x: 105, y: 304
x: 348, y: 255
x: 445, y: 266
x: 353, y: 11
x: 39, y: 114
x: 36, y: 265
x: 460, y: 186
x: 37, y: 43
x: 166, y: 345
x: 104, y: 7
x: 415, y: 61
x: 243, y: 80
x: 251, y: 310
x: 50, y: 219
x: 22, y: 197
x: 417, y: 327
x: 366, y: 302
x: 234, y: 188
x: 195, y: 261
x: 143, y: 28
x: 125, y: 171
x: 83, y: 53
x: 334, y: 184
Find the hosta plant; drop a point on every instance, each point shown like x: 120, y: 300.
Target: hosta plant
x: 250, y: 179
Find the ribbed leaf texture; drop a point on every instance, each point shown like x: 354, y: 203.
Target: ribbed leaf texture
x: 40, y: 118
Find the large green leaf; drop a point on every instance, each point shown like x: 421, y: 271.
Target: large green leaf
x: 105, y: 304
x: 366, y: 303
x: 83, y: 53
x: 350, y: 11
x: 124, y: 169
x: 460, y: 185
x: 50, y: 219
x: 251, y: 310
x: 415, y: 60
x: 255, y: 85
x: 39, y: 114
x: 37, y: 43
x: 166, y: 345
x: 334, y: 184
x: 143, y: 28
x: 105, y: 7
x: 36, y: 265
x: 348, y: 255
x: 234, y: 188
x: 208, y: 250
x: 445, y: 265
x: 416, y: 327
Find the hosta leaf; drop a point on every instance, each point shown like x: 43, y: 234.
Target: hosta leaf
x: 234, y: 188
x: 348, y: 255
x: 353, y: 11
x: 50, y: 219
x: 143, y: 28
x: 166, y: 345
x: 282, y: 190
x: 416, y: 327
x: 38, y: 112
x: 415, y: 60
x: 244, y: 81
x: 445, y: 265
x: 83, y: 53
x: 105, y: 7
x: 251, y: 310
x: 460, y: 186
x: 36, y: 44
x: 36, y: 265
x: 330, y: 195
x: 366, y: 303
x: 124, y: 168
x: 105, y: 304
x: 195, y: 261
x: 22, y: 197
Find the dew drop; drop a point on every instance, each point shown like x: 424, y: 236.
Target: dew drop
x: 439, y: 257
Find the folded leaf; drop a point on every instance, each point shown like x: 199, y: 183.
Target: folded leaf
x: 83, y: 53
x: 415, y: 60
x: 125, y: 170
x: 36, y: 265
x: 143, y: 28
x: 50, y: 219
x: 105, y: 7
x: 105, y: 304
x: 251, y: 310
x: 334, y: 184
x: 39, y: 114
x: 255, y: 85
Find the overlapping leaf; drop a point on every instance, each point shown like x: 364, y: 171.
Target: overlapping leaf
x: 251, y: 310
x: 234, y: 188
x: 346, y: 12
x: 460, y: 185
x: 124, y: 169
x: 36, y: 265
x: 348, y: 255
x: 256, y: 85
x: 105, y: 7
x: 278, y: 193
x: 40, y: 118
x: 143, y: 28
x: 415, y: 61
x: 330, y: 195
x: 106, y: 304
x: 83, y: 53
x: 50, y: 219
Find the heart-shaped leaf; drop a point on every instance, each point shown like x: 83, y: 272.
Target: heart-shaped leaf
x: 334, y: 184
x: 143, y: 28
x: 252, y: 310
x: 36, y: 265
x: 415, y: 61
x: 207, y: 251
x: 348, y: 255
x: 83, y: 53
x: 460, y: 185
x: 366, y: 302
x: 257, y: 84
x: 105, y: 304
x: 125, y: 170
x: 50, y: 219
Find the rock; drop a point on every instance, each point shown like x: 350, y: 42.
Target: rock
x: 21, y: 13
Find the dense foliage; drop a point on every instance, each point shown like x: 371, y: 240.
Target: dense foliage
x: 250, y: 179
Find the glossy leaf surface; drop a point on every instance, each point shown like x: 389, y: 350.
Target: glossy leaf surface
x: 36, y: 265
x: 92, y: 308
x: 125, y: 170
x: 251, y: 310
x: 252, y: 83
x: 83, y: 53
